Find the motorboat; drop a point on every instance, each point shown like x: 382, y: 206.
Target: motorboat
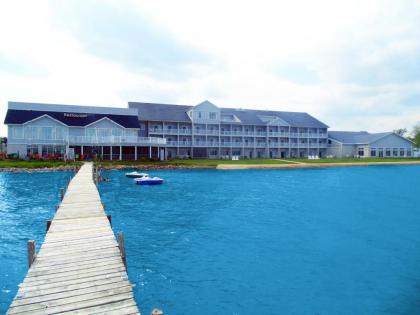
x: 148, y: 180
x: 136, y: 175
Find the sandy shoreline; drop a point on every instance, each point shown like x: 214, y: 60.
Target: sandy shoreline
x: 307, y: 165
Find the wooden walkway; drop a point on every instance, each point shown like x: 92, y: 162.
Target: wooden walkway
x: 78, y: 269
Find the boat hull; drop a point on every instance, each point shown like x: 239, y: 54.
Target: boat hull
x: 150, y: 182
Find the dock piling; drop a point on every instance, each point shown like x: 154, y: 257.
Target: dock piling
x: 122, y: 248
x: 61, y: 194
x: 48, y: 225
x: 31, y: 252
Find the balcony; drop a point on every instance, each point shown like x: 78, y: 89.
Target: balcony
x: 170, y: 131
x: 199, y: 131
x: 117, y: 140
x: 213, y: 132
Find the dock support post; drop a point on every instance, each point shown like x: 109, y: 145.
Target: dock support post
x: 62, y: 193
x: 122, y: 248
x: 31, y: 252
x: 156, y: 311
x: 109, y: 217
x: 56, y: 208
x: 48, y: 224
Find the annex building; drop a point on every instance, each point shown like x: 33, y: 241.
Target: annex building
x: 160, y: 131
x: 365, y: 144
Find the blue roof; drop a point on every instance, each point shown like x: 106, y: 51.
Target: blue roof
x: 169, y: 112
x: 17, y: 116
x: 356, y: 137
x: 157, y: 112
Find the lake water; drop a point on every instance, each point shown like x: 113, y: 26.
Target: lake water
x: 27, y: 201
x: 303, y: 241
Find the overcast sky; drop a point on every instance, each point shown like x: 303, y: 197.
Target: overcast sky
x: 355, y: 65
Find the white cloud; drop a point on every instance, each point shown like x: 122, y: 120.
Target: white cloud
x: 354, y: 65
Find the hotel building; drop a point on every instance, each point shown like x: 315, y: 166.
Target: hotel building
x: 160, y: 131
x: 208, y: 131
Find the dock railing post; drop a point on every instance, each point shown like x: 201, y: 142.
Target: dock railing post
x: 31, y: 252
x: 122, y: 248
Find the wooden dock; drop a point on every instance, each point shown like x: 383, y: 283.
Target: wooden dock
x: 79, y: 268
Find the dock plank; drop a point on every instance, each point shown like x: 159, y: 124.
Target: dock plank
x: 78, y: 269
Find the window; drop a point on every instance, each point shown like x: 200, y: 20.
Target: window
x: 16, y: 132
x: 213, y: 115
x: 199, y: 115
x: 395, y: 152
x: 408, y: 152
x: 402, y: 152
x: 388, y: 152
x: 373, y: 152
x: 47, y: 133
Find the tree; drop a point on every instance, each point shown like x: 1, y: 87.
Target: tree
x: 401, y: 131
x: 415, y: 135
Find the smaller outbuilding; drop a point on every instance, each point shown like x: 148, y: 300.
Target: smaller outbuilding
x: 365, y: 144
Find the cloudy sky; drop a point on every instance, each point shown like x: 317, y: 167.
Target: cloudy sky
x: 353, y: 64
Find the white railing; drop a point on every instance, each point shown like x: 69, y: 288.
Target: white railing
x: 116, y: 140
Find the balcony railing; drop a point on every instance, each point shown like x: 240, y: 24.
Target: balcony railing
x: 116, y: 140
x: 93, y: 140
x: 249, y: 144
x: 238, y: 133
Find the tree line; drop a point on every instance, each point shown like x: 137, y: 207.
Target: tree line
x: 414, y: 135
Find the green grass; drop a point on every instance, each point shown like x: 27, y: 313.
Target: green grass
x: 355, y: 160
x: 204, y: 162
x: 35, y: 164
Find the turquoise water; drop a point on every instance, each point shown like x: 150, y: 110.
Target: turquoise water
x: 27, y: 201
x: 312, y: 241
x: 320, y: 241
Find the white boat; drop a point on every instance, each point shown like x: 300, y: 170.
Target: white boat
x: 136, y: 175
x: 148, y: 180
